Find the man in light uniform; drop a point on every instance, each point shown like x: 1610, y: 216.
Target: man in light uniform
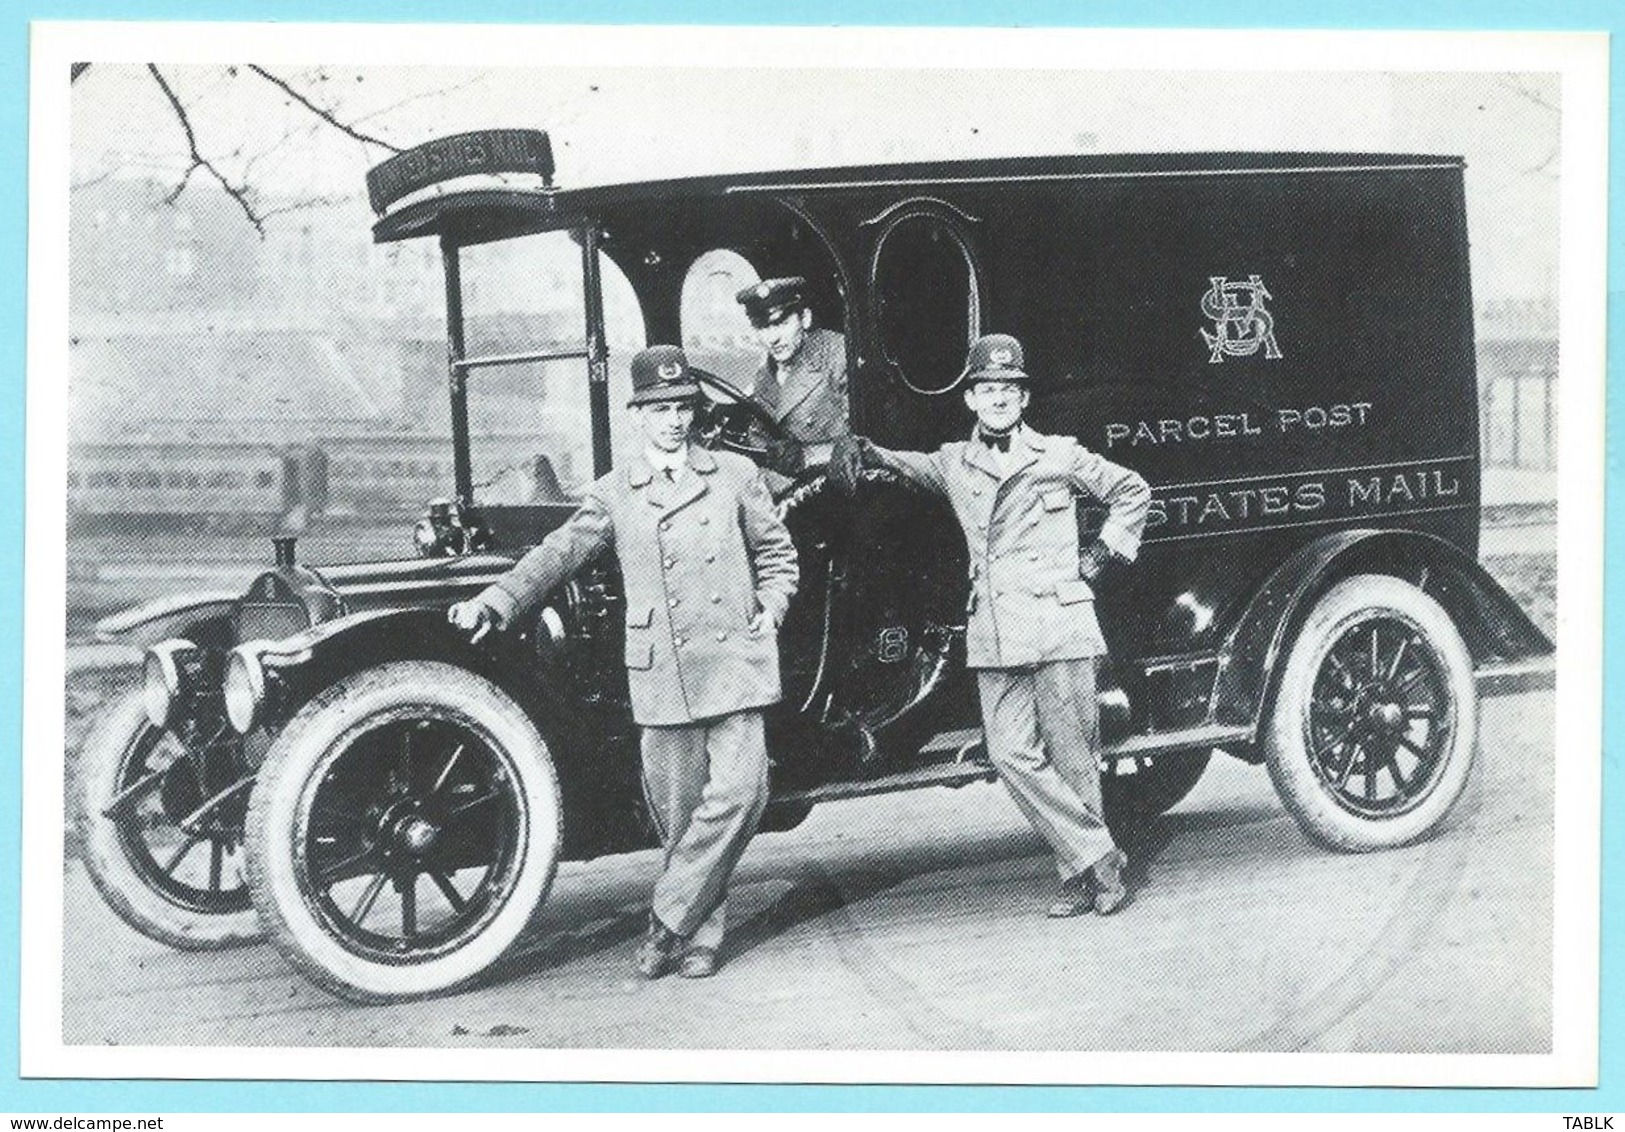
x: 1032, y: 634
x: 709, y: 571
x: 802, y: 381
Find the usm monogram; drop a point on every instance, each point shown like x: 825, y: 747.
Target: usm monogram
x: 1240, y: 322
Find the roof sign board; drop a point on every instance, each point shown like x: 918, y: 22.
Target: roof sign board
x: 460, y: 155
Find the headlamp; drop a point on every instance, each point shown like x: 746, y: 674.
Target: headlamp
x: 244, y: 689
x: 168, y: 678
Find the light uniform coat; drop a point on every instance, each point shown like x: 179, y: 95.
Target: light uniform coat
x: 1032, y: 632
x: 1027, y: 603
x: 699, y: 559
x: 808, y: 395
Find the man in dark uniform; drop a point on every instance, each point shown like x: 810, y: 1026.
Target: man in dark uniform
x: 709, y: 571
x: 1031, y: 633
x: 802, y: 381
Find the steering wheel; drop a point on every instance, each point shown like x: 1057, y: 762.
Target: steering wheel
x: 734, y: 421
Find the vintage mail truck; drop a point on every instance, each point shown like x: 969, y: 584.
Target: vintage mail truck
x: 1282, y: 343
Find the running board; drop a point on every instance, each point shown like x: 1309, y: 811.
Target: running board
x: 942, y: 774
x: 967, y: 768
x: 1157, y: 742
x: 1517, y: 676
x: 1493, y: 680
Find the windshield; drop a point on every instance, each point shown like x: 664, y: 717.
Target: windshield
x: 530, y: 424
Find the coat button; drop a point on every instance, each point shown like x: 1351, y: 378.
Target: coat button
x: 673, y: 602
x: 716, y: 599
x: 665, y: 524
x: 705, y: 520
x: 670, y: 562
x: 681, y: 641
x: 722, y: 634
x: 710, y: 557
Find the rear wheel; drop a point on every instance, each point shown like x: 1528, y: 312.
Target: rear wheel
x: 1375, y: 721
x: 404, y: 831
x: 161, y: 844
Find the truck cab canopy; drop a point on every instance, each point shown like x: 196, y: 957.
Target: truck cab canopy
x: 476, y: 213
x: 1098, y: 263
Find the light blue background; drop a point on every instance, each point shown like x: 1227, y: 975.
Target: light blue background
x: 56, y: 1097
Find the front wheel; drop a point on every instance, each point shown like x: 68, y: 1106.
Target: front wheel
x: 1375, y: 721
x: 404, y: 831
x: 161, y: 828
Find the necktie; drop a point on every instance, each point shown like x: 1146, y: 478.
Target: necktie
x: 999, y: 443
x: 671, y: 475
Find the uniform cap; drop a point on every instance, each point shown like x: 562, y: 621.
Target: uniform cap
x: 995, y: 357
x: 662, y: 373
x: 771, y: 299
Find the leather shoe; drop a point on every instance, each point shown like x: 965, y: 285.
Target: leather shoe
x: 658, y: 951
x: 698, y: 963
x: 1110, y: 891
x: 1073, y: 898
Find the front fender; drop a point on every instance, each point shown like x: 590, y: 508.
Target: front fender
x: 302, y: 664
x: 299, y: 666
x: 194, y: 616
x: 358, y: 639
x: 1491, y: 622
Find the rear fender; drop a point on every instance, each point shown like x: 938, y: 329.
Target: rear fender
x: 1491, y: 622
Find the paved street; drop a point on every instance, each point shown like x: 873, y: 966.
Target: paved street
x: 912, y: 921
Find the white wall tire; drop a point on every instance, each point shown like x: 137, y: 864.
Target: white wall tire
x: 422, y: 779
x: 186, y: 890
x: 1374, y: 728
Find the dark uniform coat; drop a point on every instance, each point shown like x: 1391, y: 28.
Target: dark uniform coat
x: 1028, y: 605
x: 811, y: 400
x: 700, y: 558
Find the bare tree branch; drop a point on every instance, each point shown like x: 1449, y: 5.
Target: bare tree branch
x: 238, y: 193
x: 438, y: 92
x: 92, y: 181
x: 1524, y: 92
x: 304, y: 204
x: 325, y: 115
x: 1545, y: 162
x: 240, y: 189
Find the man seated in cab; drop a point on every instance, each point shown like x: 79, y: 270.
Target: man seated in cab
x: 709, y: 571
x: 1032, y: 635
x: 801, y: 383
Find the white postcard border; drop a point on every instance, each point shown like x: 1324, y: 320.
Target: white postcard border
x: 1582, y: 61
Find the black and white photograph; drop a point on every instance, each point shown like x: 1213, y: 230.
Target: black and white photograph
x: 814, y: 555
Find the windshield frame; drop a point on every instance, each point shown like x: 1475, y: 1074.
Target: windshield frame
x: 460, y: 364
